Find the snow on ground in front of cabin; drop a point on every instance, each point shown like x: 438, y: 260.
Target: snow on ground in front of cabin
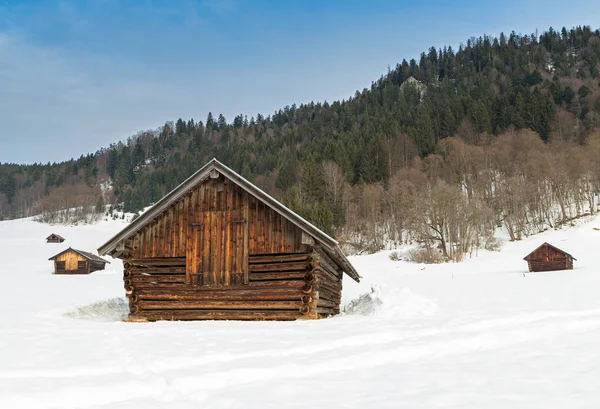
x: 477, y: 334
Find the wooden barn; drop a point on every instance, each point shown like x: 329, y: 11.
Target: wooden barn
x: 54, y: 238
x: 549, y: 258
x: 218, y: 247
x: 71, y: 261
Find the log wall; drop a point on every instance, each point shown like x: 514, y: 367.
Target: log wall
x: 283, y: 286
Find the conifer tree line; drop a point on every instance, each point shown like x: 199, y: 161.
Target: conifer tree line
x: 437, y: 151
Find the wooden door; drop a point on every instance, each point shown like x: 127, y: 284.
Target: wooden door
x: 218, y: 253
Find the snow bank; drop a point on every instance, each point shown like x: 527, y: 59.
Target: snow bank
x: 392, y: 302
x: 115, y: 309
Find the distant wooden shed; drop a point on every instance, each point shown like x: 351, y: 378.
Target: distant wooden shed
x: 54, y: 238
x: 218, y: 247
x: 72, y: 261
x: 549, y: 258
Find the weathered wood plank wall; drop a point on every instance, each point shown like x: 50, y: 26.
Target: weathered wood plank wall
x: 216, y: 227
x: 71, y: 259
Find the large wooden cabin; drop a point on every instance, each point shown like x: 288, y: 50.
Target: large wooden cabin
x: 549, y: 258
x: 72, y: 261
x: 54, y: 238
x: 218, y: 247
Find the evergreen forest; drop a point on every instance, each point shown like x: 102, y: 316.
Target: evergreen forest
x: 501, y: 132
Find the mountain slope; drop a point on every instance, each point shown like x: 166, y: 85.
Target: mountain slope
x: 322, y: 158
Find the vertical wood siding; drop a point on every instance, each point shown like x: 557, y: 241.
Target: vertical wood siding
x: 216, y: 227
x: 71, y: 260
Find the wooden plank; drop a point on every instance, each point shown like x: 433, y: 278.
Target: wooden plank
x: 299, y: 284
x: 324, y: 274
x: 293, y: 266
x: 256, y: 294
x: 156, y: 261
x: 278, y: 258
x: 270, y: 232
x: 183, y: 217
x: 325, y: 310
x: 241, y: 228
x: 171, y: 228
x: 157, y: 270
x: 329, y: 295
x: 260, y: 225
x: 228, y: 228
x: 327, y: 286
x: 219, y: 305
x: 245, y: 244
x: 326, y: 303
x: 159, y: 278
x: 155, y: 315
x: 282, y: 275
x: 214, y: 245
x: 188, y: 234
x: 251, y: 224
x: 206, y: 233
x: 160, y: 237
x: 155, y: 248
x: 326, y: 261
x: 150, y: 285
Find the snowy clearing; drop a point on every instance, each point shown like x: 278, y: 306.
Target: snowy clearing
x: 478, y: 334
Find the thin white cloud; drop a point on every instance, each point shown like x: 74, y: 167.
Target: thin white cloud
x: 68, y: 106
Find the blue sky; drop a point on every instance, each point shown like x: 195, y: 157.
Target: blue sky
x: 76, y: 76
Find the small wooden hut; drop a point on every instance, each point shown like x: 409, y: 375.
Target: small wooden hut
x: 549, y: 258
x: 72, y: 261
x: 54, y: 238
x: 218, y: 247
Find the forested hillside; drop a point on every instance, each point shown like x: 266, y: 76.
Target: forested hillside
x: 500, y: 132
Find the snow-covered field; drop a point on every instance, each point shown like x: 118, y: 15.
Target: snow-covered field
x: 479, y: 334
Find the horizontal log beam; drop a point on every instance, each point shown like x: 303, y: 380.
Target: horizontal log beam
x: 159, y: 278
x: 329, y: 295
x: 163, y: 261
x: 157, y: 270
x: 265, y: 267
x: 326, y: 303
x: 219, y: 305
x: 328, y: 286
x: 325, y: 310
x: 283, y: 275
x: 278, y: 258
x: 322, y: 257
x: 326, y: 275
x: 232, y: 295
x: 216, y: 315
x: 153, y: 284
x: 299, y: 284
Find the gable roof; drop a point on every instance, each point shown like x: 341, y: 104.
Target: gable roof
x: 54, y: 235
x: 546, y: 244
x: 85, y: 254
x: 330, y: 245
